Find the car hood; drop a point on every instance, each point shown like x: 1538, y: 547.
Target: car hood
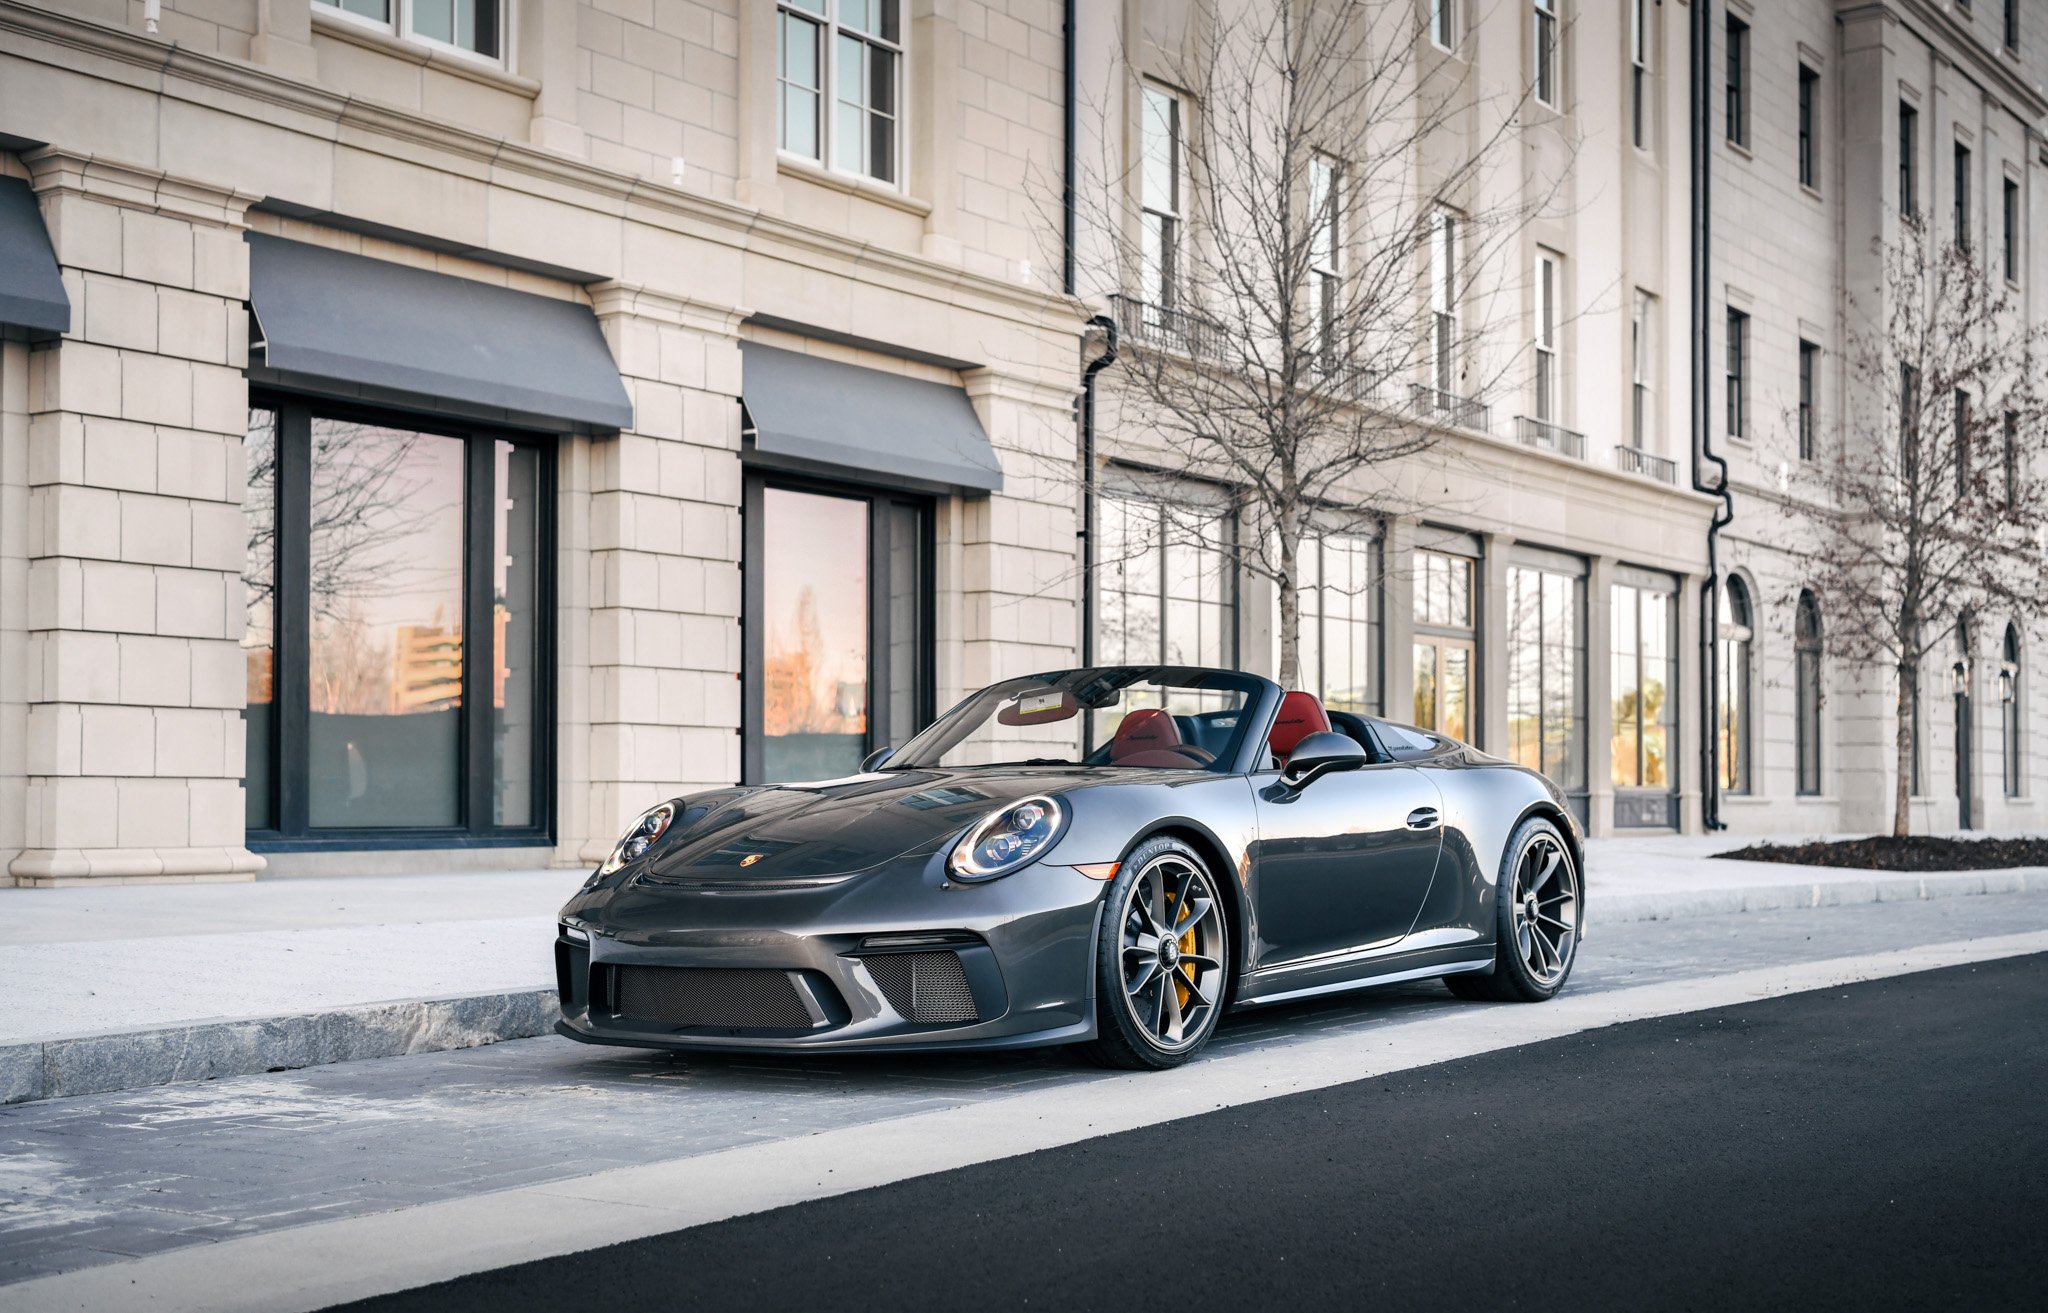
x: 835, y: 828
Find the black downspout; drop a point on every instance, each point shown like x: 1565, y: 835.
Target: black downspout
x: 1067, y: 165
x: 1087, y: 530
x: 1703, y: 410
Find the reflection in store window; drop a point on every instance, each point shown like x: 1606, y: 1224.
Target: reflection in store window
x: 815, y: 635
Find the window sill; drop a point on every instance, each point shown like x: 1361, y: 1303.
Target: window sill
x: 795, y: 167
x: 1737, y: 148
x: 1812, y: 192
x: 473, y: 67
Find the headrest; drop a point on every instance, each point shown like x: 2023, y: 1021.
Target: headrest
x: 1301, y: 714
x: 1146, y: 730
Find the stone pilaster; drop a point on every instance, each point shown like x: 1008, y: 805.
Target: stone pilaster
x: 652, y: 690
x: 133, y: 676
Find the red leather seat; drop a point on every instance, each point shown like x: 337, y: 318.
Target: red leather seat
x: 1301, y: 714
x: 1147, y: 737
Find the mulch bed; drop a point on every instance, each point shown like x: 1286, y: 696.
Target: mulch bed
x: 1915, y: 853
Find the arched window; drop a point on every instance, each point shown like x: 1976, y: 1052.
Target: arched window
x: 2011, y: 711
x: 1806, y: 648
x: 1734, y: 691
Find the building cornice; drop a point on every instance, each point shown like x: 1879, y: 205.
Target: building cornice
x: 55, y: 171
x: 167, y: 69
x: 613, y: 298
x: 1961, y: 49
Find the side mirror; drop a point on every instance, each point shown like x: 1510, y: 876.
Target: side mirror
x: 875, y: 760
x: 1321, y: 754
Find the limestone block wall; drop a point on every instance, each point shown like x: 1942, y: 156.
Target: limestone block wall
x: 130, y: 669
x: 650, y: 570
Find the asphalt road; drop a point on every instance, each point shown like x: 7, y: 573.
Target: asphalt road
x: 1879, y: 1145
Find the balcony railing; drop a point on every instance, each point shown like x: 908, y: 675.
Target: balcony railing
x: 1353, y: 382
x: 1631, y: 460
x: 1549, y: 437
x: 1440, y: 407
x: 1167, y: 327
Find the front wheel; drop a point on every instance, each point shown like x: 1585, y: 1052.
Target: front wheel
x: 1161, y: 965
x: 1538, y: 919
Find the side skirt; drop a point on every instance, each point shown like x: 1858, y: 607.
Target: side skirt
x: 1420, y: 967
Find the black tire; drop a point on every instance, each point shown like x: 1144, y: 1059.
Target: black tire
x: 1136, y: 968
x: 1539, y: 917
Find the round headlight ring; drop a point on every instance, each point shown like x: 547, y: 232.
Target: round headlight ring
x: 1007, y: 840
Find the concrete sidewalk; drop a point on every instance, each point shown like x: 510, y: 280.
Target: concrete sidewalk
x: 121, y: 987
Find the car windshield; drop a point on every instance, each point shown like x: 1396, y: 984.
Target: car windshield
x: 1137, y: 717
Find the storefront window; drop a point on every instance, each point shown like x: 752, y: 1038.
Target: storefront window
x: 1444, y: 643
x: 1340, y: 644
x: 838, y: 612
x: 1546, y: 674
x: 376, y: 550
x: 1164, y: 594
x: 1644, y: 673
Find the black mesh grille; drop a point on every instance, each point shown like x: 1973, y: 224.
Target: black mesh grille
x: 928, y: 988
x: 712, y: 996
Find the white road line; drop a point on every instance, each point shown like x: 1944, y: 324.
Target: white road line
x: 324, y: 1263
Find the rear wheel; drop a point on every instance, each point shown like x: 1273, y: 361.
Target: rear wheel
x: 1538, y: 914
x: 1161, y: 965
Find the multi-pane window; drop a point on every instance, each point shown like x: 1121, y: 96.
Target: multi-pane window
x: 1732, y: 698
x: 2011, y: 433
x: 1642, y: 365
x: 1326, y: 252
x: 1159, y: 183
x: 1547, y: 373
x: 1643, y: 674
x: 1546, y: 673
x: 2011, y: 708
x: 1545, y: 49
x: 1909, y: 160
x: 1963, y: 436
x: 1443, y: 22
x: 1809, y: 109
x: 396, y: 594
x: 1809, y: 363
x: 1806, y: 658
x: 2012, y: 231
x: 839, y: 70
x: 1165, y: 593
x: 1639, y: 71
x: 1738, y: 374
x: 2012, y: 24
x: 1909, y: 423
x: 1736, y: 88
x: 1339, y: 617
x: 1444, y: 645
x: 1443, y: 300
x: 474, y: 26
x: 1962, y: 195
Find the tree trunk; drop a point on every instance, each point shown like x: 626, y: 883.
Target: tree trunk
x: 1902, y: 802
x: 1290, y: 607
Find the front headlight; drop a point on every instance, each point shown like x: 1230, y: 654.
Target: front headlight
x: 653, y: 823
x: 1005, y: 840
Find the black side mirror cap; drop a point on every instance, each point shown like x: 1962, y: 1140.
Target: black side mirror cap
x: 1319, y: 754
x: 877, y: 759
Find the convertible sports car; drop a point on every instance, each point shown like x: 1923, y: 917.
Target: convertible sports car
x: 1108, y: 857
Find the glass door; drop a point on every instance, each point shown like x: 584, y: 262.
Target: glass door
x: 837, y: 627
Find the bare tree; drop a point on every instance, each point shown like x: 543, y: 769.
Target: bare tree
x: 1933, y: 505
x: 1316, y: 237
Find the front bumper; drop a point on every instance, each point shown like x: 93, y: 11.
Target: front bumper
x: 882, y: 962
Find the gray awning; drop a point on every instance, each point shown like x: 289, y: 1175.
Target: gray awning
x: 32, y: 296
x: 328, y: 317
x: 834, y: 416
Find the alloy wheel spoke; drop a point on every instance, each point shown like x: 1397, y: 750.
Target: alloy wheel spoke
x: 1186, y: 979
x: 1146, y: 944
x: 1169, y: 1010
x: 1202, y: 961
x: 1146, y: 972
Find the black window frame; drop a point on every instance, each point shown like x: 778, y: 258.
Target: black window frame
x: 1965, y: 422
x: 1738, y: 374
x: 1737, y: 87
x: 2012, y: 25
x: 1961, y: 182
x: 291, y: 830
x: 2012, y: 229
x: 755, y: 481
x: 1808, y: 648
x: 1809, y: 383
x: 1809, y: 91
x: 1909, y: 160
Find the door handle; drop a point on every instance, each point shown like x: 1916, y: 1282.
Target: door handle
x: 1424, y: 818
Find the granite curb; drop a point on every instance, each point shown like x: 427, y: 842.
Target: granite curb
x: 136, y: 1059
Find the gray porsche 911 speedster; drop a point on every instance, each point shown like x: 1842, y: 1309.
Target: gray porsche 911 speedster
x: 1108, y: 857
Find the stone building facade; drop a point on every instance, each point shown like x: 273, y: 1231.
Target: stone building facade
x: 477, y: 419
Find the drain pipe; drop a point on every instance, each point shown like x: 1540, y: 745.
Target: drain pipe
x: 1703, y: 411
x: 1067, y: 165
x: 1087, y: 531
